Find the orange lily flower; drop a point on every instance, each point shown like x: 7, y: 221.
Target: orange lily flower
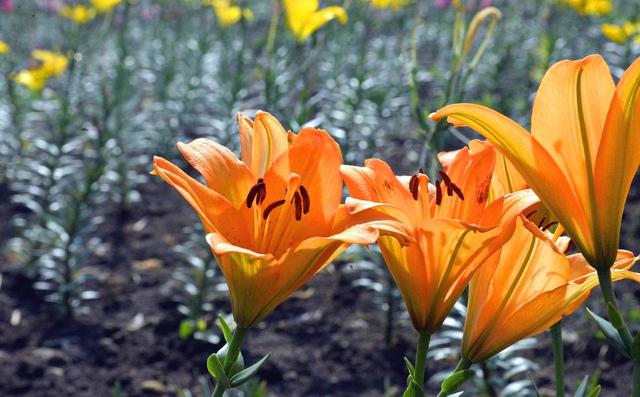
x: 582, y: 153
x: 526, y: 287
x: 455, y: 231
x: 273, y: 219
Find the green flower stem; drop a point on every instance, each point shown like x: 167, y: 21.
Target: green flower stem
x: 232, y: 355
x: 616, y: 319
x: 234, y: 347
x: 558, y: 357
x: 606, y: 286
x: 421, y: 357
x: 463, y: 364
x: 218, y: 391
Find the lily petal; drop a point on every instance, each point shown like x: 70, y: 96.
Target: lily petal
x: 213, y: 209
x: 618, y: 156
x: 320, y: 173
x: 222, y: 170
x: 252, y: 278
x: 258, y: 283
x: 377, y: 182
x: 268, y: 142
x: 471, y: 171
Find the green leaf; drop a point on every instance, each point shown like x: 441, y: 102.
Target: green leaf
x: 456, y: 380
x: 247, y: 373
x: 610, y: 332
x: 409, y: 392
x: 614, y: 316
x: 581, y: 391
x: 224, y: 327
x: 410, y: 368
x: 237, y: 366
x: 186, y: 329
x: 595, y: 392
x: 413, y: 388
x: 214, y: 365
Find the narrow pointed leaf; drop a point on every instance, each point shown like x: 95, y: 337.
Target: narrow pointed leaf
x: 595, y: 392
x: 237, y: 366
x: 216, y: 369
x: 456, y: 380
x: 581, y: 391
x: 614, y: 317
x: 247, y: 373
x: 410, y: 368
x: 224, y: 327
x: 409, y: 392
x: 610, y: 332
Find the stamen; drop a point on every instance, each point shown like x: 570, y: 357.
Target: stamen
x: 297, y: 200
x: 258, y: 192
x: 306, y: 200
x: 548, y: 225
x: 530, y: 214
x: 262, y: 195
x: 447, y: 182
x: 569, y: 246
x: 421, y: 171
x: 272, y: 207
x: 414, y: 184
x: 457, y: 191
x: 438, y: 193
x: 544, y: 218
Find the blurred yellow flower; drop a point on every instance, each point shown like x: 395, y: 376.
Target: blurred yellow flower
x: 51, y: 64
x: 590, y: 7
x: 621, y: 33
x: 229, y: 14
x: 105, y: 5
x: 33, y: 79
x: 395, y: 4
x: 4, y: 47
x: 304, y: 18
x: 79, y: 14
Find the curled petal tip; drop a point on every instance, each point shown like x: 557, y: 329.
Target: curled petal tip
x: 433, y: 116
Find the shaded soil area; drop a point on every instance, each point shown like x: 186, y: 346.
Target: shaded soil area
x: 327, y: 340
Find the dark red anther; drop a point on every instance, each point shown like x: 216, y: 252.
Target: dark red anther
x: 297, y: 201
x: 530, y: 214
x: 438, y: 192
x: 306, y: 201
x: 258, y: 192
x: 421, y: 171
x: 414, y: 184
x: 544, y: 218
x: 272, y: 207
x: 457, y: 191
x: 569, y: 246
x: 447, y: 182
x: 548, y: 225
